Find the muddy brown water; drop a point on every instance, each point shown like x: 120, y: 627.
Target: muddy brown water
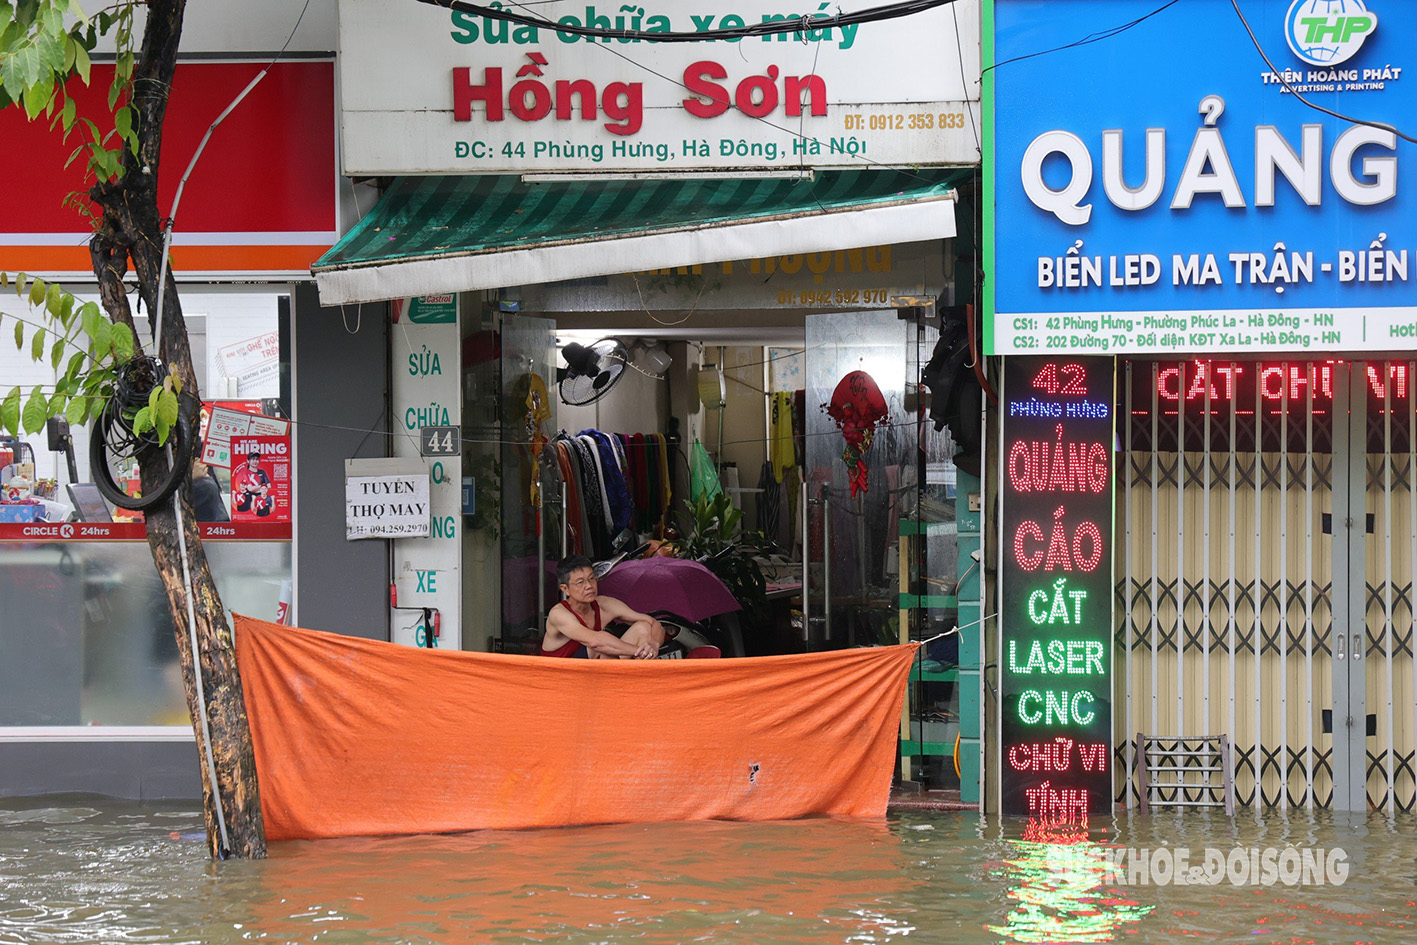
x: 90, y: 870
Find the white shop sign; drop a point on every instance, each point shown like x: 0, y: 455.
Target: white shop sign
x: 385, y: 498
x: 428, y: 90
x: 427, y: 571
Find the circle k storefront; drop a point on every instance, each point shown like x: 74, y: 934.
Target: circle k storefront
x: 90, y: 688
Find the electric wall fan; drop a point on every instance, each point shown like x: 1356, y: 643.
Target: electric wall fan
x: 590, y: 371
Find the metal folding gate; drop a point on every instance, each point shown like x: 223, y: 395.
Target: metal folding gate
x: 1267, y: 536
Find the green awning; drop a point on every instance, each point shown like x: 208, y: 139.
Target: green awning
x: 432, y: 235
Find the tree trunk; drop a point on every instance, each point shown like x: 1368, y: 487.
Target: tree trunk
x: 130, y: 228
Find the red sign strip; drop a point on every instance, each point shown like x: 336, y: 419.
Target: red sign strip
x: 137, y: 531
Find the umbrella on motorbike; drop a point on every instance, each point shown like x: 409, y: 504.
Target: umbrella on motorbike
x: 678, y: 585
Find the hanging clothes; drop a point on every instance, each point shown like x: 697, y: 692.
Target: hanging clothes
x: 799, y: 426
x: 612, y: 481
x: 585, y: 470
x: 639, y: 482
x: 595, y: 501
x: 769, y: 500
x: 666, y: 484
x: 654, y: 488
x: 782, y: 453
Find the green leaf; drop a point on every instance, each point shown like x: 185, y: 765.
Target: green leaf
x: 53, y: 299
x: 143, y: 421
x: 37, y: 96
x: 122, y: 342
x: 167, y: 410
x: 20, y: 70
x: 75, y: 412
x: 103, y: 340
x: 123, y: 121
x: 82, y: 63
x: 89, y: 317
x: 66, y: 309
x: 19, y: 335
x: 37, y: 345
x: 10, y: 411
x: 76, y: 361
x: 56, y: 353
x: 56, y: 403
x: 152, y: 399
x: 36, y: 412
x: 37, y: 293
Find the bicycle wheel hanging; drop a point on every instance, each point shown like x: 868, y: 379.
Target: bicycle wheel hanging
x: 112, y: 440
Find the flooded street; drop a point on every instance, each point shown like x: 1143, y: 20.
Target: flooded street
x: 90, y: 870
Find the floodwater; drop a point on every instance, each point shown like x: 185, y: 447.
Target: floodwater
x: 101, y: 871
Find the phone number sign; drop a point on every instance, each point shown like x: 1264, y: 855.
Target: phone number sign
x: 1056, y: 585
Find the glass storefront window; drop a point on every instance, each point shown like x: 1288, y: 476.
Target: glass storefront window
x: 87, y: 635
x: 84, y: 624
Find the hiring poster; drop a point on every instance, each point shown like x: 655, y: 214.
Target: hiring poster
x: 260, y: 478
x: 223, y: 423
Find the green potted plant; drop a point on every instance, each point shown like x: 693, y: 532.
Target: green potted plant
x: 714, y: 532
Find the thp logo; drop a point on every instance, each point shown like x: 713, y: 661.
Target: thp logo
x: 1327, y: 32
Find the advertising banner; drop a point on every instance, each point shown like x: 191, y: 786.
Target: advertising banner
x: 1215, y: 177
x: 260, y: 479
x: 222, y: 423
x: 427, y: 90
x: 1055, y: 610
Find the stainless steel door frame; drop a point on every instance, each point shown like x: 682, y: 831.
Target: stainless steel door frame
x: 1350, y: 569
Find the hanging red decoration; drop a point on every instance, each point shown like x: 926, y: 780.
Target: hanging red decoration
x: 857, y: 406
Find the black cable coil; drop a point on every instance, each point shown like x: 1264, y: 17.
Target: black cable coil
x: 113, y: 435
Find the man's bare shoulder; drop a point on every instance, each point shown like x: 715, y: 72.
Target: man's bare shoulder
x: 614, y: 609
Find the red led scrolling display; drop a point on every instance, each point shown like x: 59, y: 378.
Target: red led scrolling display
x: 1284, y: 404
x: 1277, y: 388
x: 1056, y: 521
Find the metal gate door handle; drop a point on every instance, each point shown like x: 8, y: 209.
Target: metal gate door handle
x: 1342, y: 640
x: 1357, y: 647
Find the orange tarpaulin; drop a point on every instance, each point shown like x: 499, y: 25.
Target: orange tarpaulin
x: 360, y: 737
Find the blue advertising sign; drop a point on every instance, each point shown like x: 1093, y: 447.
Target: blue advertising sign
x: 1164, y: 189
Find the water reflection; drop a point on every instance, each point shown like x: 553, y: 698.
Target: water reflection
x: 85, y: 870
x: 1061, y: 882
x: 817, y: 881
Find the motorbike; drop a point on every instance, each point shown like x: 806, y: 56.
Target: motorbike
x: 685, y: 638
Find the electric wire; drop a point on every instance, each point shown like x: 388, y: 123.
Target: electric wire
x: 473, y: 440
x: 1090, y: 38
x: 1381, y: 126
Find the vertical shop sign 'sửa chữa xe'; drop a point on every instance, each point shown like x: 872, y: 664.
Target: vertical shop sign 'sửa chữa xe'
x: 1055, y: 608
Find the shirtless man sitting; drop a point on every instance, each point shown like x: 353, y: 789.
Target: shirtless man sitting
x: 579, y: 620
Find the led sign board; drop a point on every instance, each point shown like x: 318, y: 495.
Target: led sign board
x: 1166, y: 191
x: 1201, y: 400
x: 1056, y: 587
